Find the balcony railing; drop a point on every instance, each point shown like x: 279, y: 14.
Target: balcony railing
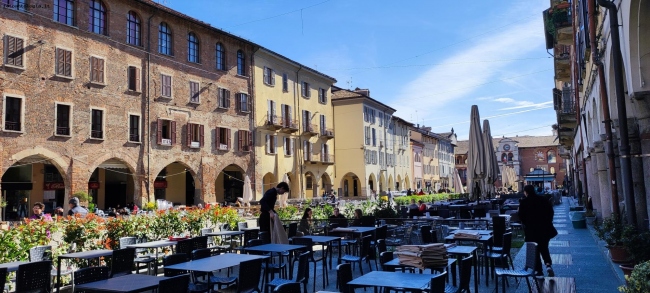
x: 327, y: 159
x: 568, y: 103
x: 11, y: 125
x: 310, y: 129
x: 273, y: 122
x: 96, y: 134
x: 327, y: 133
x: 289, y: 125
x: 63, y: 131
x: 134, y: 137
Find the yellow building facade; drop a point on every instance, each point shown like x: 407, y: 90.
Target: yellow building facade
x: 430, y: 164
x: 294, y: 126
x: 401, y: 153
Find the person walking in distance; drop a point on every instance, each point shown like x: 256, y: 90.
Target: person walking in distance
x: 536, y: 214
x: 267, y: 205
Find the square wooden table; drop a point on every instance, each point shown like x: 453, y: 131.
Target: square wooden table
x: 127, y: 283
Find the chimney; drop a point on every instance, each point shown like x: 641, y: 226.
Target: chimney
x: 365, y: 92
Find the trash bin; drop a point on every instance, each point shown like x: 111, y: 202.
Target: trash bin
x: 578, y: 219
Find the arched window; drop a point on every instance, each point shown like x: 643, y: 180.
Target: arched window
x: 133, y: 29
x: 98, y: 17
x: 64, y: 11
x: 241, y: 63
x: 550, y: 156
x: 192, y: 48
x: 221, y: 57
x: 164, y: 39
x: 510, y: 157
x: 504, y: 157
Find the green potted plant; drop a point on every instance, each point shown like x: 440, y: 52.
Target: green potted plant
x: 637, y: 282
x: 638, y: 245
x: 614, y: 232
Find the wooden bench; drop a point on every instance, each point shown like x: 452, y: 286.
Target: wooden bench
x: 559, y: 285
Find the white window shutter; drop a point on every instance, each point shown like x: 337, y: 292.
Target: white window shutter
x: 268, y: 144
x: 266, y: 74
x: 290, y: 114
x: 272, y: 73
x: 269, y: 110
x: 283, y: 112
x: 292, y: 149
x: 275, y: 144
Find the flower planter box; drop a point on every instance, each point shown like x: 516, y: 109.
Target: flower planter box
x: 579, y: 224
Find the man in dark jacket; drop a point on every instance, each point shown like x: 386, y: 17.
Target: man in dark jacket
x: 267, y: 205
x: 536, y: 214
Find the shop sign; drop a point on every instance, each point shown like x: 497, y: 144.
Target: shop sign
x: 53, y: 185
x: 160, y: 184
x: 93, y: 185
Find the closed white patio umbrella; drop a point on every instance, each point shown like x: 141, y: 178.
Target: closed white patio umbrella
x: 491, y: 164
x: 248, y: 191
x: 475, y: 155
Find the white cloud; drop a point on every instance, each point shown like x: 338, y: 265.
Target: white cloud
x: 441, y: 85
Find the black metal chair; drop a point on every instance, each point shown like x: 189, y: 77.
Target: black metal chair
x: 293, y: 228
x: 288, y: 288
x: 91, y: 274
x: 427, y: 236
x: 176, y: 259
x: 147, y: 259
x: 265, y: 237
x: 302, y: 276
x: 200, y: 242
x: 503, y: 255
x: 3, y: 278
x: 269, y: 268
x: 248, y: 281
x: 363, y: 254
x: 465, y: 277
x: 528, y: 270
x: 385, y: 257
x: 185, y: 246
x: 210, y: 238
x: 309, y: 247
x: 34, y: 277
x: 437, y: 284
x: 248, y: 236
x: 216, y: 280
x: 176, y: 284
x: 343, y: 276
x: 122, y: 262
x: 40, y: 253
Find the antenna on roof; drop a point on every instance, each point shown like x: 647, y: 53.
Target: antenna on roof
x: 350, y: 83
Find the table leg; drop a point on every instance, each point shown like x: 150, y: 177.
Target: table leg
x: 338, y: 261
x: 475, y: 271
x: 58, y: 276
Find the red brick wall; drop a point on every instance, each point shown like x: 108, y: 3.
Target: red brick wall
x: 529, y: 160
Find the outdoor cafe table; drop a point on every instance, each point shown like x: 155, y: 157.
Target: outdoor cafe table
x: 277, y: 248
x: 12, y: 266
x: 229, y: 234
x: 127, y: 283
x: 326, y: 241
x: 480, y: 232
x: 459, y: 251
x: 215, y: 263
x: 451, y: 262
x: 79, y: 255
x: 154, y: 244
x: 406, y: 281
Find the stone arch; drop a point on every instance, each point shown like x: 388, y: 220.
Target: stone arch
x: 109, y: 187
x: 636, y: 20
x: 391, y: 183
x: 189, y: 168
x: 398, y: 184
x: 326, y: 183
x: 56, y: 159
x: 382, y: 183
x: 407, y: 182
x: 372, y: 183
x: 311, y: 185
x: 350, y: 185
x: 175, y: 184
x: 269, y: 181
x: 229, y: 183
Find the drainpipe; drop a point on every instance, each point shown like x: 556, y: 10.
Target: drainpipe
x: 595, y: 55
x: 251, y: 120
x: 296, y: 99
x: 148, y: 103
x: 624, y: 146
x: 576, y: 94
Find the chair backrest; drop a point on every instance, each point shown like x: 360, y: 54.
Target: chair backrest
x: 365, y: 247
x: 293, y: 228
x: 249, y: 281
x: 493, y: 213
x: 122, y: 261
x: 367, y: 221
x: 480, y: 212
x: 3, y: 278
x: 302, y: 276
x: 385, y: 257
x: 443, y: 213
x: 176, y: 284
x: 465, y: 273
x: 210, y: 238
x: 307, y: 242
x: 288, y: 288
x: 531, y: 255
x: 437, y: 284
x: 427, y: 237
x: 265, y: 236
x: 173, y: 259
x: 185, y: 246
x: 381, y: 246
x: 40, y: 253
x: 242, y: 225
x: 498, y: 228
x: 201, y: 253
x: 407, y: 234
x: 381, y: 232
x: 250, y: 234
x: 34, y: 276
x: 507, y: 243
x: 125, y: 241
x: 199, y: 242
x: 90, y: 274
x: 514, y: 217
x: 343, y: 276
x: 254, y: 242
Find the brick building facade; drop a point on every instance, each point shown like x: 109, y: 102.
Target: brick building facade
x: 123, y: 99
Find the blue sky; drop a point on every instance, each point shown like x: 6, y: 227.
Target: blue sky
x: 430, y: 60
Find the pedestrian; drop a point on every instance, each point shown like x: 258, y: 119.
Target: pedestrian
x: 38, y: 212
x: 267, y: 205
x: 305, y: 222
x: 73, y: 203
x: 536, y: 214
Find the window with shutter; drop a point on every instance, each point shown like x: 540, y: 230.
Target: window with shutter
x: 134, y: 128
x: 166, y: 132
x: 97, y: 124
x: 166, y: 85
x: 285, y: 82
x: 63, y: 62
x: 268, y: 144
x: 224, y: 98
x: 323, y: 126
x: 97, y: 70
x: 322, y: 95
x: 62, y: 120
x: 14, y: 51
x: 194, y: 92
x: 305, y: 89
x: 134, y: 79
x: 228, y: 140
x: 269, y: 76
x: 13, y: 118
x: 244, y: 103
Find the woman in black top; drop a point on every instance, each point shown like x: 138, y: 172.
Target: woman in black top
x: 305, y: 222
x: 267, y: 205
x: 357, y: 217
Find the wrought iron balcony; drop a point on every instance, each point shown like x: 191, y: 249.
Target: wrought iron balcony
x: 327, y: 159
x: 64, y: 131
x: 310, y: 129
x: 289, y: 125
x: 327, y: 133
x: 273, y: 122
x: 11, y: 125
